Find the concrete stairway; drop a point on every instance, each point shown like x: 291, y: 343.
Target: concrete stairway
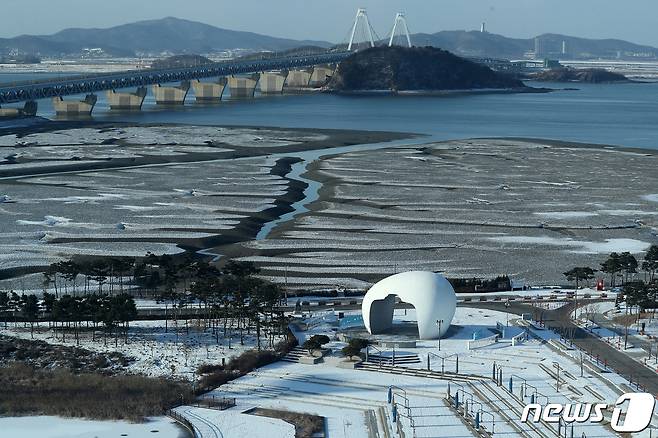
x: 509, y: 408
x: 417, y: 372
x: 294, y: 355
x: 399, y: 359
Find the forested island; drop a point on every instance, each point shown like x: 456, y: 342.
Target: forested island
x: 587, y: 75
x: 416, y: 69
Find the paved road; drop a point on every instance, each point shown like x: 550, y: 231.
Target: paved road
x: 646, y: 344
x: 559, y: 320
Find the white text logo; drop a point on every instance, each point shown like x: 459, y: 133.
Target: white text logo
x: 636, y: 418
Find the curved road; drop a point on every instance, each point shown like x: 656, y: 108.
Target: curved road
x: 559, y: 320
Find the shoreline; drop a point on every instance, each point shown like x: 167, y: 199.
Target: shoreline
x: 441, y: 93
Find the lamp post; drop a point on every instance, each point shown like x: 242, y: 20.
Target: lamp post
x: 439, y: 322
x: 507, y: 313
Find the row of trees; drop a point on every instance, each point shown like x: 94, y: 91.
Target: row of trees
x: 622, y: 267
x: 227, y: 300
x: 68, y: 313
x: 145, y: 275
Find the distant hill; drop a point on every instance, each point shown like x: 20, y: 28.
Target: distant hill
x: 174, y: 36
x: 589, y: 75
x: 415, y: 69
x: 485, y: 44
x: 153, y: 37
x: 180, y: 61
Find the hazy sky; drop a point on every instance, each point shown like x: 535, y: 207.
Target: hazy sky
x: 634, y: 20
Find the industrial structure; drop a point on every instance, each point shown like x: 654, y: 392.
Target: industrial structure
x: 431, y: 295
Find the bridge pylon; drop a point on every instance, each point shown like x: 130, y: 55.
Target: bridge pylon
x: 361, y: 16
x: 401, y: 23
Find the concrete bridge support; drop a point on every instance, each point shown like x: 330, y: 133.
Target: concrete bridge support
x: 28, y: 110
x: 272, y: 82
x: 298, y: 78
x: 171, y: 95
x: 80, y: 108
x: 321, y: 76
x: 126, y: 101
x: 243, y: 87
x: 209, y: 91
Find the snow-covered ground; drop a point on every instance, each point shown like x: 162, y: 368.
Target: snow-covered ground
x: 174, y: 353
x: 354, y: 402
x: 56, y: 427
x: 218, y: 424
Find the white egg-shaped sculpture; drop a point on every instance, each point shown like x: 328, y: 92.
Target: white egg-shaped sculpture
x: 430, y: 293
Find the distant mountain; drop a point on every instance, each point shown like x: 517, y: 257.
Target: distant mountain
x: 485, y: 44
x: 152, y: 37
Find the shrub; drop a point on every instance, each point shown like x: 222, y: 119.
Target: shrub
x: 350, y: 351
x: 252, y: 359
x: 28, y: 391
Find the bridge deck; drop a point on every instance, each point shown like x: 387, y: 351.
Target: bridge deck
x: 20, y: 92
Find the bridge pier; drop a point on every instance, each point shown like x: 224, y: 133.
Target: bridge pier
x: 126, y: 101
x: 321, y: 76
x: 298, y: 80
x: 272, y: 82
x: 69, y: 108
x: 171, y: 95
x: 243, y: 87
x: 28, y: 110
x: 209, y: 91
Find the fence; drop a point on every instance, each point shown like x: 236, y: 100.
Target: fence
x: 183, y: 421
x: 479, y: 343
x: 520, y: 338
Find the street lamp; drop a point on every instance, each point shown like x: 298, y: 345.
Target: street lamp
x: 439, y: 322
x: 507, y: 313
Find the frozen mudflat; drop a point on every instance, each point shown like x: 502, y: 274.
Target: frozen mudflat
x: 162, y: 136
x: 131, y: 211
x: 56, y: 427
x: 125, y: 190
x: 472, y: 208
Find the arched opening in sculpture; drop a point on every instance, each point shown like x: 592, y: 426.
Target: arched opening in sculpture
x: 431, y: 295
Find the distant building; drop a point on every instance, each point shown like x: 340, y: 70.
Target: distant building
x: 552, y: 63
x: 539, y: 48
